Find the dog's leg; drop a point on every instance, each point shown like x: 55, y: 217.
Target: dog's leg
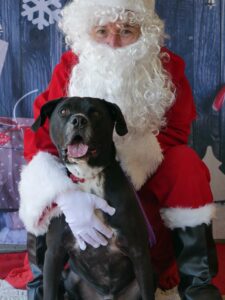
x: 52, y: 273
x: 54, y: 261
x: 132, y: 292
x: 72, y: 284
x: 144, y: 272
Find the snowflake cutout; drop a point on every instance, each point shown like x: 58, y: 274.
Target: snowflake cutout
x: 41, y: 12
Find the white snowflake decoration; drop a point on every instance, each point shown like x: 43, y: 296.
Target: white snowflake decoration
x: 41, y: 12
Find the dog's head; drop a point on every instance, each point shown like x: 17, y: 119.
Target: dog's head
x: 82, y: 128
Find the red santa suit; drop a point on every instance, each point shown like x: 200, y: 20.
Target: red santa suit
x: 178, y: 193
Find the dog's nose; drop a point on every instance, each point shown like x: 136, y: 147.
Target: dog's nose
x: 79, y: 121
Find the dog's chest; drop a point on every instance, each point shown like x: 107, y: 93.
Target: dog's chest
x: 93, y: 186
x: 93, y: 182
x: 87, y: 179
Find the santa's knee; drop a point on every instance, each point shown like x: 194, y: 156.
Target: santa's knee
x: 182, y: 185
x: 182, y: 162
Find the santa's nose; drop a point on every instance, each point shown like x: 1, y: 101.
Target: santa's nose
x: 114, y: 41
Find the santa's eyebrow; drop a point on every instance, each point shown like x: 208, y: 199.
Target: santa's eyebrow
x: 127, y: 25
x: 119, y: 26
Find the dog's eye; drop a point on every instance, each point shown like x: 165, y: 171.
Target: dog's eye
x: 64, y: 112
x: 94, y: 113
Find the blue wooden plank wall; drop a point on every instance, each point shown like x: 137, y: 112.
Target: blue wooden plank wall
x: 32, y: 54
x: 196, y: 33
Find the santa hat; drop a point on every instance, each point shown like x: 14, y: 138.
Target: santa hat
x: 133, y: 5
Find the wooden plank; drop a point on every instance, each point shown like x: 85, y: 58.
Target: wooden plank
x: 207, y: 60
x: 219, y: 222
x: 179, y: 21
x: 57, y: 45
x: 222, y: 38
x: 35, y: 69
x: 41, y: 52
x: 222, y: 71
x: 10, y: 81
x: 206, y: 53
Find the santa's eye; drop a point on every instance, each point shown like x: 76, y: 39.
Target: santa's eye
x: 65, y: 112
x: 101, y: 32
x: 125, y: 32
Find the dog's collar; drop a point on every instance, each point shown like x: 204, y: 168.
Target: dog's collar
x: 77, y: 179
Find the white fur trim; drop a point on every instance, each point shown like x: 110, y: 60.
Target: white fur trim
x: 41, y: 181
x: 140, y: 155
x: 188, y: 217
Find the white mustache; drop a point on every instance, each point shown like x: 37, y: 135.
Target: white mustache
x: 132, y: 77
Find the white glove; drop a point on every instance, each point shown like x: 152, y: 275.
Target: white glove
x: 79, y: 210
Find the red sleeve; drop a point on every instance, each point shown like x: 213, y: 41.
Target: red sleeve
x: 40, y: 140
x: 182, y: 113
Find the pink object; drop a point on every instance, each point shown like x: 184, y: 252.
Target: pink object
x: 4, y: 139
x: 76, y: 179
x: 11, y: 159
x: 77, y: 150
x: 219, y: 100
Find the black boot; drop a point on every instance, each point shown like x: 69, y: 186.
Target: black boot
x: 36, y: 247
x: 197, y: 262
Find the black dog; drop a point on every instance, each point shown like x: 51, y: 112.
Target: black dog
x: 111, y: 271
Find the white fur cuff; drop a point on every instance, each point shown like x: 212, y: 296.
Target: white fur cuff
x: 41, y: 181
x: 188, y: 217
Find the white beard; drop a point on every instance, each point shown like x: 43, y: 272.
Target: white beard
x: 133, y: 78
x: 130, y: 76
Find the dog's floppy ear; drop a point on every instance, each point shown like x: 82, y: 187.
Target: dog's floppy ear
x: 120, y: 123
x: 45, y: 113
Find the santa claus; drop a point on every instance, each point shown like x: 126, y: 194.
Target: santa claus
x: 116, y: 53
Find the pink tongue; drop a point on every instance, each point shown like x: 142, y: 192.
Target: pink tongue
x: 78, y: 150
